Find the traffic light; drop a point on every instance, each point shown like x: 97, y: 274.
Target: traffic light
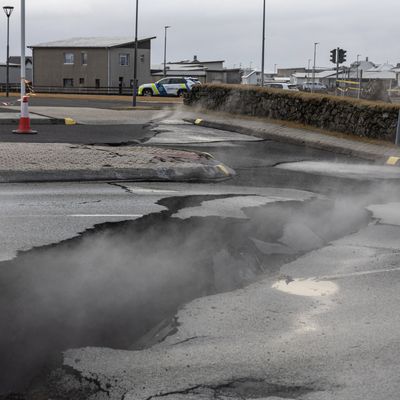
x: 342, y: 56
x: 333, y: 56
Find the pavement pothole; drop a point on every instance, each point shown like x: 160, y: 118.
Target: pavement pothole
x: 116, y: 282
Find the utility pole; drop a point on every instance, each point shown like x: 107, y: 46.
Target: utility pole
x: 315, y: 60
x: 263, y: 45
x: 135, y: 80
x: 165, y: 50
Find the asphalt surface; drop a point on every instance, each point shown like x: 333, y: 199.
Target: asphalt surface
x: 80, y: 134
x: 280, y: 283
x: 87, y: 102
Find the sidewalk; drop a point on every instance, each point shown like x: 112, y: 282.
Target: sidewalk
x: 378, y: 151
x: 33, y: 162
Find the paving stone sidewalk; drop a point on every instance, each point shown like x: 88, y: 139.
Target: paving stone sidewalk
x: 27, y: 162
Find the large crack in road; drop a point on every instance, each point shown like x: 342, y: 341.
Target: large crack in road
x: 114, y: 283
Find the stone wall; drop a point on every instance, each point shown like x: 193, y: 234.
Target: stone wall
x: 358, y: 117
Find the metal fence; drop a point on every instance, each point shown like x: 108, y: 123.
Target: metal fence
x: 123, y: 91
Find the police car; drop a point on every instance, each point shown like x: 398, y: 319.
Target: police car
x: 167, y: 87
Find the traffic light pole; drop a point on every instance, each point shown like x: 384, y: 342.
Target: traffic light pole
x: 337, y: 70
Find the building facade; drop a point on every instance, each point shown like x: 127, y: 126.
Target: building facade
x: 204, y: 71
x: 90, y: 63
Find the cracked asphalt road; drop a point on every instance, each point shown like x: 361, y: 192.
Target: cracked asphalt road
x: 321, y: 324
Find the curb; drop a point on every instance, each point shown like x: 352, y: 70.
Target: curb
x: 39, y: 121
x: 213, y: 172
x: 275, y: 136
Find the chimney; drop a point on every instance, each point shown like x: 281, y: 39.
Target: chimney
x: 195, y: 59
x: 367, y: 59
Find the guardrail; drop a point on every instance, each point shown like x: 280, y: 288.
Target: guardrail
x: 124, y: 91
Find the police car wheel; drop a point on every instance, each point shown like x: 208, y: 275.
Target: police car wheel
x: 147, y: 92
x: 181, y: 93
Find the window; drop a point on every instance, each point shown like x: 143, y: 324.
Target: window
x: 81, y: 81
x: 142, y: 58
x: 97, y: 83
x: 69, y: 58
x: 165, y: 81
x: 84, y: 58
x: 124, y: 59
x: 176, y: 81
x: 68, y: 82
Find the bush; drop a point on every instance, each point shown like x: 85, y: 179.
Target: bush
x: 358, y: 117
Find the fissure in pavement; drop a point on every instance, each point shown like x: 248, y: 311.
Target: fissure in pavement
x: 114, y: 283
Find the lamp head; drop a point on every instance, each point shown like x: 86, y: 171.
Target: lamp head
x: 8, y: 10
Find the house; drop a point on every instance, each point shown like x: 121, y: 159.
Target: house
x: 254, y: 77
x: 14, y: 77
x: 323, y: 77
x: 16, y: 60
x: 204, y: 71
x: 78, y: 63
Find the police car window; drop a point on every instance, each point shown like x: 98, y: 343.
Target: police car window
x: 164, y: 81
x: 176, y: 80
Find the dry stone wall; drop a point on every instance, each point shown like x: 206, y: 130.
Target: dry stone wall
x: 358, y: 117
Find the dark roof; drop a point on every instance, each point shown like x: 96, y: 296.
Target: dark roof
x: 91, y: 42
x: 17, y: 59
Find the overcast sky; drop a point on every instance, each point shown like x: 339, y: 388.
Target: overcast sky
x: 224, y: 29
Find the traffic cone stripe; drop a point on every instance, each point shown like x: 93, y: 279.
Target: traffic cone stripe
x: 24, y: 121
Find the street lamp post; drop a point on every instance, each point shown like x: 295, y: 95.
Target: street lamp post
x: 315, y: 60
x: 8, y: 10
x: 165, y: 49
x: 263, y: 45
x: 358, y: 76
x: 23, y: 65
x: 135, y: 61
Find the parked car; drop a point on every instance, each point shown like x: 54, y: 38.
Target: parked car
x: 174, y: 86
x: 314, y: 87
x: 282, y: 86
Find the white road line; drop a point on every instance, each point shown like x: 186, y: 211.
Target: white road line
x: 74, y: 216
x: 361, y: 273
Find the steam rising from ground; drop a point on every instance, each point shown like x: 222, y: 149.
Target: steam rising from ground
x: 112, y: 285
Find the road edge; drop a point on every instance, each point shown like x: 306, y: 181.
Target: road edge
x: 365, y: 153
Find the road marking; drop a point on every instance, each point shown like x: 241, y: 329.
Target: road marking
x: 198, y: 121
x: 208, y: 155
x: 306, y: 287
x: 107, y: 215
x: 69, y: 121
x: 74, y: 216
x: 392, y: 160
x: 223, y: 169
x: 361, y: 273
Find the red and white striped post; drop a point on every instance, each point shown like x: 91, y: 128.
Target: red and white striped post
x: 24, y: 122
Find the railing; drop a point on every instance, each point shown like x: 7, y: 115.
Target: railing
x: 124, y: 91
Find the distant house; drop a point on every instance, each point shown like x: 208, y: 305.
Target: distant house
x: 204, y: 71
x: 16, y: 60
x: 324, y: 77
x: 254, y: 77
x: 90, y: 62
x: 14, y: 72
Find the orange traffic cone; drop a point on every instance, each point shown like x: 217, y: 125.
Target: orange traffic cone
x: 24, y: 121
